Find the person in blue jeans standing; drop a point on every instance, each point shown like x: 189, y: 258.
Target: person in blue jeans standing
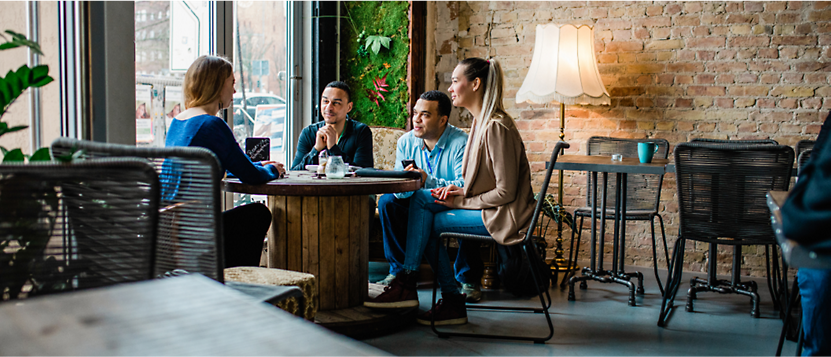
x: 496, y: 200
x: 436, y: 149
x: 208, y: 87
x: 806, y: 216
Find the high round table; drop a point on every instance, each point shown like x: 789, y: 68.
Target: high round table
x: 321, y: 227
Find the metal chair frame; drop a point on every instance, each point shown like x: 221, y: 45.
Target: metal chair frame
x: 528, y: 250
x: 600, y: 145
x: 716, y: 220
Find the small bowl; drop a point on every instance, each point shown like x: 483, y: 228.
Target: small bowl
x: 312, y: 168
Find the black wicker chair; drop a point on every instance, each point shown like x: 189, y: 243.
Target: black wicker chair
x: 803, y: 158
x: 776, y: 277
x: 530, y: 254
x: 190, y: 220
x: 643, y: 197
x: 72, y: 226
x: 722, y: 191
x: 803, y: 145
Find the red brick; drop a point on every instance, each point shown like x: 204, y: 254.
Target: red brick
x: 710, y: 19
x: 701, y: 31
x: 747, y: 127
x: 750, y: 41
x: 621, y: 46
x: 788, y: 18
x: 811, y: 103
x: 815, y: 16
x: 706, y: 55
x: 612, y: 24
x: 816, y: 78
x: 626, y: 91
x: 768, y: 53
x: 683, y: 79
x: 683, y: 103
x: 725, y: 78
x: 654, y: 10
x: 766, y: 103
x: 641, y: 33
x: 685, y: 67
x: 746, y: 78
x: 792, y: 77
x: 684, y: 55
x: 654, y: 22
x: 742, y: 19
x: 753, y: 6
x: 795, y: 5
x: 727, y: 67
x: 665, y: 78
x: 794, y: 40
x: 775, y: 6
x: 705, y: 78
x: 707, y: 42
x: 647, y: 68
x: 674, y: 8
x: 724, y: 102
x: 725, y: 54
x: 644, y: 102
x: 789, y: 103
x: 687, y: 21
x: 705, y: 91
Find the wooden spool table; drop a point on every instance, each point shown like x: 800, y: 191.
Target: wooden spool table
x: 321, y: 227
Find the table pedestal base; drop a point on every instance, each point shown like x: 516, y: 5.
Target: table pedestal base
x: 362, y: 322
x: 608, y: 276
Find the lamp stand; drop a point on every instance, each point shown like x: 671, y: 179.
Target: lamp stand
x: 559, y: 263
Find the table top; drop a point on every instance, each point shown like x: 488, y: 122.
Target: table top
x: 598, y: 163
x: 303, y: 183
x: 188, y: 315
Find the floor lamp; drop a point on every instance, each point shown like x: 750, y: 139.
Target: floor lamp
x: 563, y: 70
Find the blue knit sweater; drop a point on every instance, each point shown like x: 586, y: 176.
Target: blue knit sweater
x: 211, y: 132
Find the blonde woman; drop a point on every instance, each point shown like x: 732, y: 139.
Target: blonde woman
x: 497, y: 199
x: 208, y: 88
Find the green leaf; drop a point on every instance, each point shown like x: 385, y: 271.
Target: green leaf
x: 19, y: 40
x: 374, y: 43
x: 39, y: 76
x: 15, y: 85
x: 15, y: 155
x: 23, y: 75
x: 42, y: 154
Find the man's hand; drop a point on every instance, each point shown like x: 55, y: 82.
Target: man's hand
x: 423, y: 174
x: 330, y: 134
x: 445, y: 195
x: 320, y: 140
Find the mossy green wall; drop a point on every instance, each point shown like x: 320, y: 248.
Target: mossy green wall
x: 382, y: 18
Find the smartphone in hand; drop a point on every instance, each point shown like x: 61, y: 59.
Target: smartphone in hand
x: 405, y: 163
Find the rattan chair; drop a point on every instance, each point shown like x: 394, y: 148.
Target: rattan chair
x: 190, y: 220
x: 803, y: 145
x: 530, y: 254
x: 722, y: 191
x: 803, y: 158
x: 643, y: 196
x: 776, y: 277
x: 72, y: 226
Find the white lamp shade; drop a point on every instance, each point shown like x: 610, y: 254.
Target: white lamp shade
x: 563, y: 68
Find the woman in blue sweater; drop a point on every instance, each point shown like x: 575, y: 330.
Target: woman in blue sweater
x: 209, y: 88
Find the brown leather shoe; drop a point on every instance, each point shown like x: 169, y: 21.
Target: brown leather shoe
x: 399, y: 294
x: 450, y: 310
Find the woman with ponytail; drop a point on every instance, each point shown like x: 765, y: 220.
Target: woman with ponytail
x: 497, y: 199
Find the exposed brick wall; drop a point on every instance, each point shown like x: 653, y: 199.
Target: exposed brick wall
x: 675, y: 70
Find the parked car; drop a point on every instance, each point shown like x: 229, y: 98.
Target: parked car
x: 266, y: 115
x: 252, y: 100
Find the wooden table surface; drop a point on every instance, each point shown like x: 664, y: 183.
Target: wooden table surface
x: 600, y: 163
x: 303, y: 183
x: 189, y: 315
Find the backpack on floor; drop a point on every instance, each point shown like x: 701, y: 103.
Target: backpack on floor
x: 515, y: 271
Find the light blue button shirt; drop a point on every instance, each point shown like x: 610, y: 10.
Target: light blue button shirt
x: 445, y: 160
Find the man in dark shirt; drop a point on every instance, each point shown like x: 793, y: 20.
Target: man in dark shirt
x: 806, y: 216
x: 337, y: 134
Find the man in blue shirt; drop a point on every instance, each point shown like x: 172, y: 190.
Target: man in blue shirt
x: 337, y: 134
x: 437, y: 149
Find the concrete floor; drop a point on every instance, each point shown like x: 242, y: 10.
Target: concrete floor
x: 601, y: 323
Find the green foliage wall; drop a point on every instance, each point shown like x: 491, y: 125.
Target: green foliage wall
x: 360, y: 66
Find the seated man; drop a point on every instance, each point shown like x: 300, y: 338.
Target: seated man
x: 437, y: 149
x: 337, y: 134
x: 806, y: 216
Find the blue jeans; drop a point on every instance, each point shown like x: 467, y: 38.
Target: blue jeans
x: 426, y: 221
x: 394, y: 215
x: 815, y: 287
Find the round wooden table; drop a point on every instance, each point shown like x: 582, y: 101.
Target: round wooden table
x: 321, y: 227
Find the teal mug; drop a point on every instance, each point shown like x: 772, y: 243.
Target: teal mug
x: 646, y: 151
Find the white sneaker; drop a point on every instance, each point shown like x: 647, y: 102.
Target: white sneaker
x: 474, y: 294
x: 386, y: 281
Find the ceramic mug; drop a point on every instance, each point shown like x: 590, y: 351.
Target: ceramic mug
x: 646, y: 151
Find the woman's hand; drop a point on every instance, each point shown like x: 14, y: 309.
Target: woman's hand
x: 443, y: 193
x: 280, y: 167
